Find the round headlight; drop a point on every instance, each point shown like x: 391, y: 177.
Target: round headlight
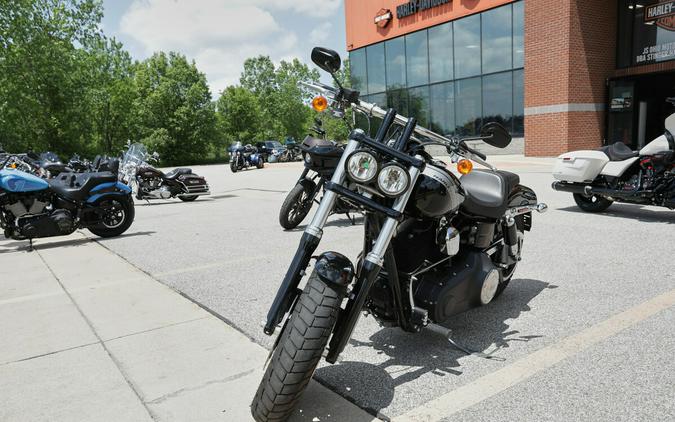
x: 362, y: 167
x: 393, y: 180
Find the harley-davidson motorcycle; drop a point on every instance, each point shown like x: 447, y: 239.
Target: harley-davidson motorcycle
x: 147, y: 182
x: 32, y: 207
x: 321, y: 157
x: 616, y: 173
x: 434, y: 245
x: 245, y: 156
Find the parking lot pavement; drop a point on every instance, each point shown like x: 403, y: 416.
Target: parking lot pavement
x: 584, y: 332
x: 89, y: 337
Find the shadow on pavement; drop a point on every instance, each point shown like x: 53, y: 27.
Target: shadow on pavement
x: 632, y: 212
x: 414, y: 355
x: 22, y: 245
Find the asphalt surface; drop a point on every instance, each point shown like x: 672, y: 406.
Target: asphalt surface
x: 579, y: 270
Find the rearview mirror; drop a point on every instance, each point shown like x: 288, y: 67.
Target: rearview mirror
x: 326, y: 59
x: 495, y: 135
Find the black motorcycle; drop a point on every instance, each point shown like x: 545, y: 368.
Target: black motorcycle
x: 148, y: 182
x: 321, y: 157
x: 433, y: 245
x: 32, y: 207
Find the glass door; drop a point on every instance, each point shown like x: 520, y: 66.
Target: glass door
x: 621, y: 127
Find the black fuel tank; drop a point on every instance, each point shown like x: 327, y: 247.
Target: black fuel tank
x: 437, y: 193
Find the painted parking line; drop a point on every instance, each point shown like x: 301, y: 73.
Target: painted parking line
x: 204, y: 267
x: 534, y: 363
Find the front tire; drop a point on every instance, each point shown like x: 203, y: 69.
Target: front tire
x: 117, y: 220
x: 298, y: 351
x: 260, y: 164
x: 592, y: 203
x: 233, y: 166
x: 297, y: 204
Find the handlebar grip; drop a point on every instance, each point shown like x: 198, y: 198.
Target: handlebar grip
x: 386, y: 124
x: 474, y: 152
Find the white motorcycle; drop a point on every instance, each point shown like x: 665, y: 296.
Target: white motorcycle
x: 616, y: 173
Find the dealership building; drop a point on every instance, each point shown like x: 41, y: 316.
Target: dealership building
x: 563, y: 75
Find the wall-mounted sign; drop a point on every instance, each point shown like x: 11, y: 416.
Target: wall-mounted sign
x: 383, y: 17
x: 416, y: 6
x: 660, y: 10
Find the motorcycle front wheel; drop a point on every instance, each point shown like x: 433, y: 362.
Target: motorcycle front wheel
x: 297, y: 204
x: 233, y: 166
x: 298, y: 351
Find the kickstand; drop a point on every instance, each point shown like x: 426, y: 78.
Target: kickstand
x: 447, y: 333
x: 350, y: 218
x: 30, y: 245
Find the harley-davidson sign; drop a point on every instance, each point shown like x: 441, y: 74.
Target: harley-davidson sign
x: 660, y: 10
x: 383, y: 18
x: 415, y: 6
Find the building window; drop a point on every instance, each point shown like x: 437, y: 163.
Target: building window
x: 417, y: 58
x: 498, y: 99
x: 468, y: 106
x: 375, y: 64
x: 418, y: 104
x: 395, y: 56
x: 453, y: 77
x: 357, y: 62
x: 441, y: 54
x: 642, y: 40
x: 497, y: 40
x: 518, y: 35
x: 442, y: 102
x: 467, y: 47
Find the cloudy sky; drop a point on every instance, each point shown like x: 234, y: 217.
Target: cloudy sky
x: 220, y: 34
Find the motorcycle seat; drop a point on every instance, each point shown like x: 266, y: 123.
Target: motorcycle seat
x: 76, y: 186
x: 487, y: 192
x: 177, y: 172
x: 618, y: 151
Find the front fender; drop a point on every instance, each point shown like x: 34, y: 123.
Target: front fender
x: 108, y: 189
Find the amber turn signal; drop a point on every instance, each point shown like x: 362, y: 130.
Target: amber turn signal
x: 464, y: 166
x: 320, y: 103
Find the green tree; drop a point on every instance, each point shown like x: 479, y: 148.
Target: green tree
x: 175, y: 114
x: 240, y: 115
x: 43, y: 101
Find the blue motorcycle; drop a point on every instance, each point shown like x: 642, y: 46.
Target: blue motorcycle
x: 32, y: 207
x: 245, y: 156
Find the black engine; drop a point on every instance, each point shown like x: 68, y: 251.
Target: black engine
x: 56, y: 223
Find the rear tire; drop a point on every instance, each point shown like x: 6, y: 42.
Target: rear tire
x: 124, y: 209
x: 260, y: 164
x: 592, y: 203
x: 298, y: 351
x: 188, y: 198
x: 297, y: 204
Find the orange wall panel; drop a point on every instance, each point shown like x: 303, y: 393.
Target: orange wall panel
x: 362, y: 30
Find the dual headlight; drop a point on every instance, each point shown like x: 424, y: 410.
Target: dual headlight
x: 392, y: 179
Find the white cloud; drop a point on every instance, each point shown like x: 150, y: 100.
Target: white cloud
x: 320, y: 34
x: 219, y: 35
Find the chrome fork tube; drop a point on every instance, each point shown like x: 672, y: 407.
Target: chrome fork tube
x: 388, y: 229
x: 315, y: 228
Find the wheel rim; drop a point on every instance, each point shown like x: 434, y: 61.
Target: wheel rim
x: 298, y: 207
x: 114, y: 217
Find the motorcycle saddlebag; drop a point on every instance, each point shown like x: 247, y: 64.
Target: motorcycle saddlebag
x: 194, y: 184
x: 324, y: 155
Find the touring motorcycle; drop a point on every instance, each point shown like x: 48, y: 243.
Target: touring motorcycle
x: 32, y: 207
x: 434, y: 245
x: 245, y: 156
x: 321, y: 157
x: 616, y: 173
x: 148, y: 182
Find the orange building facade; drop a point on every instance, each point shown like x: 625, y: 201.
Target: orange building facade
x: 562, y: 74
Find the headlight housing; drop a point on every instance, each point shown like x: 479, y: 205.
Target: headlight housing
x: 362, y: 166
x: 393, y: 180
x: 308, y: 158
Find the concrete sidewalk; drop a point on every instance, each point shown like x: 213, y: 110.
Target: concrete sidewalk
x: 88, y: 337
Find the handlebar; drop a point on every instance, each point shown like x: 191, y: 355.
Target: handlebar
x: 374, y: 110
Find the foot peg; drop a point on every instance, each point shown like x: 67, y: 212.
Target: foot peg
x: 447, y: 333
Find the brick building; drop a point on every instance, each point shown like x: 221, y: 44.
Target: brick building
x: 562, y: 74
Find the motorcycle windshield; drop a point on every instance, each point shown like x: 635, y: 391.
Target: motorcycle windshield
x: 135, y: 155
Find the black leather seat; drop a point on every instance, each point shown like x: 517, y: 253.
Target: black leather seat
x: 76, y: 186
x: 177, y: 172
x: 487, y: 192
x: 618, y: 151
